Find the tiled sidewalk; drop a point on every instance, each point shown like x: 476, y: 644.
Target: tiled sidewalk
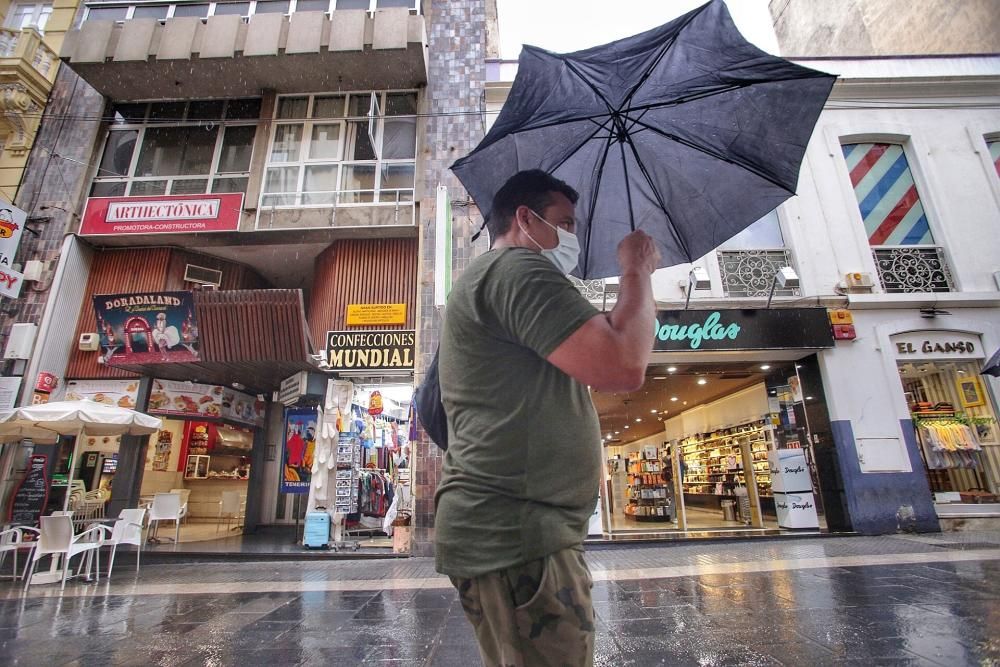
x: 924, y: 600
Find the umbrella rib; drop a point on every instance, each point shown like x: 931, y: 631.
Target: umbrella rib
x: 684, y: 142
x: 659, y: 199
x: 579, y: 75
x: 579, y: 146
x: 593, y: 204
x: 649, y: 70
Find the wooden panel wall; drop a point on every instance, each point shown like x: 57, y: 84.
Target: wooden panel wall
x: 251, y: 325
x: 125, y: 270
x: 362, y: 271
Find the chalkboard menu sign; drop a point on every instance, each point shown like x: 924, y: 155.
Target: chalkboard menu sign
x: 29, y: 500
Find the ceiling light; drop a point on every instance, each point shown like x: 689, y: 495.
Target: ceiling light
x: 617, y: 432
x: 685, y: 402
x: 702, y: 381
x: 652, y: 412
x: 671, y: 369
x: 765, y: 367
x: 798, y: 365
x: 626, y: 426
x: 809, y: 398
x: 673, y: 398
x: 638, y: 419
x: 659, y: 377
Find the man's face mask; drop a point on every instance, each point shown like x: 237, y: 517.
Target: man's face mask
x: 566, y: 254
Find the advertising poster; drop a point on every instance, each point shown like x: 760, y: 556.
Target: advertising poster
x: 147, y: 327
x: 11, y: 226
x: 298, y: 449
x: 110, y: 392
x: 170, y: 397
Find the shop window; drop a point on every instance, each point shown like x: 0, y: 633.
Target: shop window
x: 994, y: 146
x: 894, y: 219
x: 28, y: 15
x: 330, y: 150
x: 955, y: 425
x: 177, y: 148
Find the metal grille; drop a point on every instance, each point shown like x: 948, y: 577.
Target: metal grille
x: 912, y: 269
x: 750, y: 272
x: 594, y: 290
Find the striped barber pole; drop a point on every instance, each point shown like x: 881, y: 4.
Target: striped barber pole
x: 887, y: 196
x: 995, y: 154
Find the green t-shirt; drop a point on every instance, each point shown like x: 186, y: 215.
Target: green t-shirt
x: 523, y: 465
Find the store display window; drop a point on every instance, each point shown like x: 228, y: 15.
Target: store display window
x: 956, y: 429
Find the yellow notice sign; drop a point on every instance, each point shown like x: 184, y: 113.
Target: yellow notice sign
x: 367, y: 314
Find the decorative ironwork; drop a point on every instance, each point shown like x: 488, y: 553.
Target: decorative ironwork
x: 747, y: 273
x: 594, y: 290
x: 903, y: 269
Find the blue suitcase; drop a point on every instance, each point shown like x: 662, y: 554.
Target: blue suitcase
x: 317, y: 530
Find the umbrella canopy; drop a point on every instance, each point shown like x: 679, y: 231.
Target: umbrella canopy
x: 687, y: 132
x: 73, y: 417
x: 992, y: 366
x: 47, y: 421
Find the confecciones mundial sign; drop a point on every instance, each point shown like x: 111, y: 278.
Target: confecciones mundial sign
x: 371, y: 350
x: 758, y: 329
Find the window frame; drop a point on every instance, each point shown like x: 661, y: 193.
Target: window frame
x: 341, y: 197
x: 213, y: 175
x: 38, y: 10
x: 130, y: 7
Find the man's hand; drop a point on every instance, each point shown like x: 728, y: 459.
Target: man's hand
x: 637, y: 253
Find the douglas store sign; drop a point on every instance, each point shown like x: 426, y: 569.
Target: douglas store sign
x: 162, y: 215
x: 788, y: 328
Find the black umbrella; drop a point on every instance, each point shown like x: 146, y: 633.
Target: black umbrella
x: 992, y: 366
x: 687, y: 132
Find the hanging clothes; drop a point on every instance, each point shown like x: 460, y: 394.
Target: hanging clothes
x: 948, y: 444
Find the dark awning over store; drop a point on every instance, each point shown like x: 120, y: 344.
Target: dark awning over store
x: 252, y: 337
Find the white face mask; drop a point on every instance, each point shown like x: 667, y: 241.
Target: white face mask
x: 566, y: 254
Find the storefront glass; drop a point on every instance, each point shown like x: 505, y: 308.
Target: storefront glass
x: 956, y: 429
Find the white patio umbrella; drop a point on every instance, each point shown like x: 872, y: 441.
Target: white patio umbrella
x: 78, y: 418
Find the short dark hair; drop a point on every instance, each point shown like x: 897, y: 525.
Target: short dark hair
x: 532, y: 188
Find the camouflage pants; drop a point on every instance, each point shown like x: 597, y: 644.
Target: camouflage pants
x: 536, y: 614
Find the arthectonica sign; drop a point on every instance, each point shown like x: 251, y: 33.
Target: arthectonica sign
x: 759, y: 329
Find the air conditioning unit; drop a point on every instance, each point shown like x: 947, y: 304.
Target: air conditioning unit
x: 89, y: 342
x: 21, y: 341
x: 202, y: 275
x: 859, y: 280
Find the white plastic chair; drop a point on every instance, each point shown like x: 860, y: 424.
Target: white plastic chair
x: 57, y: 539
x: 184, y: 494
x: 231, y: 506
x: 12, y: 540
x: 126, y: 530
x: 166, y: 507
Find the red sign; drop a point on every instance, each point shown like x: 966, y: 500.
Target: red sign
x: 375, y: 403
x: 172, y: 214
x: 46, y: 382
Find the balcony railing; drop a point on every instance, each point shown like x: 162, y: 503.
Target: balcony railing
x: 27, y: 46
x: 336, y: 208
x: 750, y: 273
x: 906, y: 269
x: 597, y: 291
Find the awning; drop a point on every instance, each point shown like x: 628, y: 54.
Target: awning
x: 254, y: 338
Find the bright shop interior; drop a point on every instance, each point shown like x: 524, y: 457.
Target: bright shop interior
x: 710, y: 447
x: 956, y: 430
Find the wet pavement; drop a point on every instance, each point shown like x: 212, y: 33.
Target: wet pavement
x: 909, y: 600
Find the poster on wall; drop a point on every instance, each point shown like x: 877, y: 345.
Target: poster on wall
x: 147, y: 327
x: 169, y: 397
x: 298, y: 450
x: 110, y: 392
x: 241, y: 407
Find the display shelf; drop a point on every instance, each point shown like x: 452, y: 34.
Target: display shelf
x: 718, y: 460
x: 648, y: 495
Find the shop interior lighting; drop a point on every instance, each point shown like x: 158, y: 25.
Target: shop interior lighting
x: 673, y: 398
x: 702, y: 381
x: 697, y: 279
x: 784, y: 277
x: 638, y: 419
x: 660, y: 377
x: 626, y: 425
x: 653, y: 412
x: 809, y: 398
x: 765, y: 367
x: 671, y: 369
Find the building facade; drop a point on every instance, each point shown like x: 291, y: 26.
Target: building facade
x: 249, y: 194
x: 892, y: 237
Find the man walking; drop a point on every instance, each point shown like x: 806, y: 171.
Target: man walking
x: 519, y: 347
